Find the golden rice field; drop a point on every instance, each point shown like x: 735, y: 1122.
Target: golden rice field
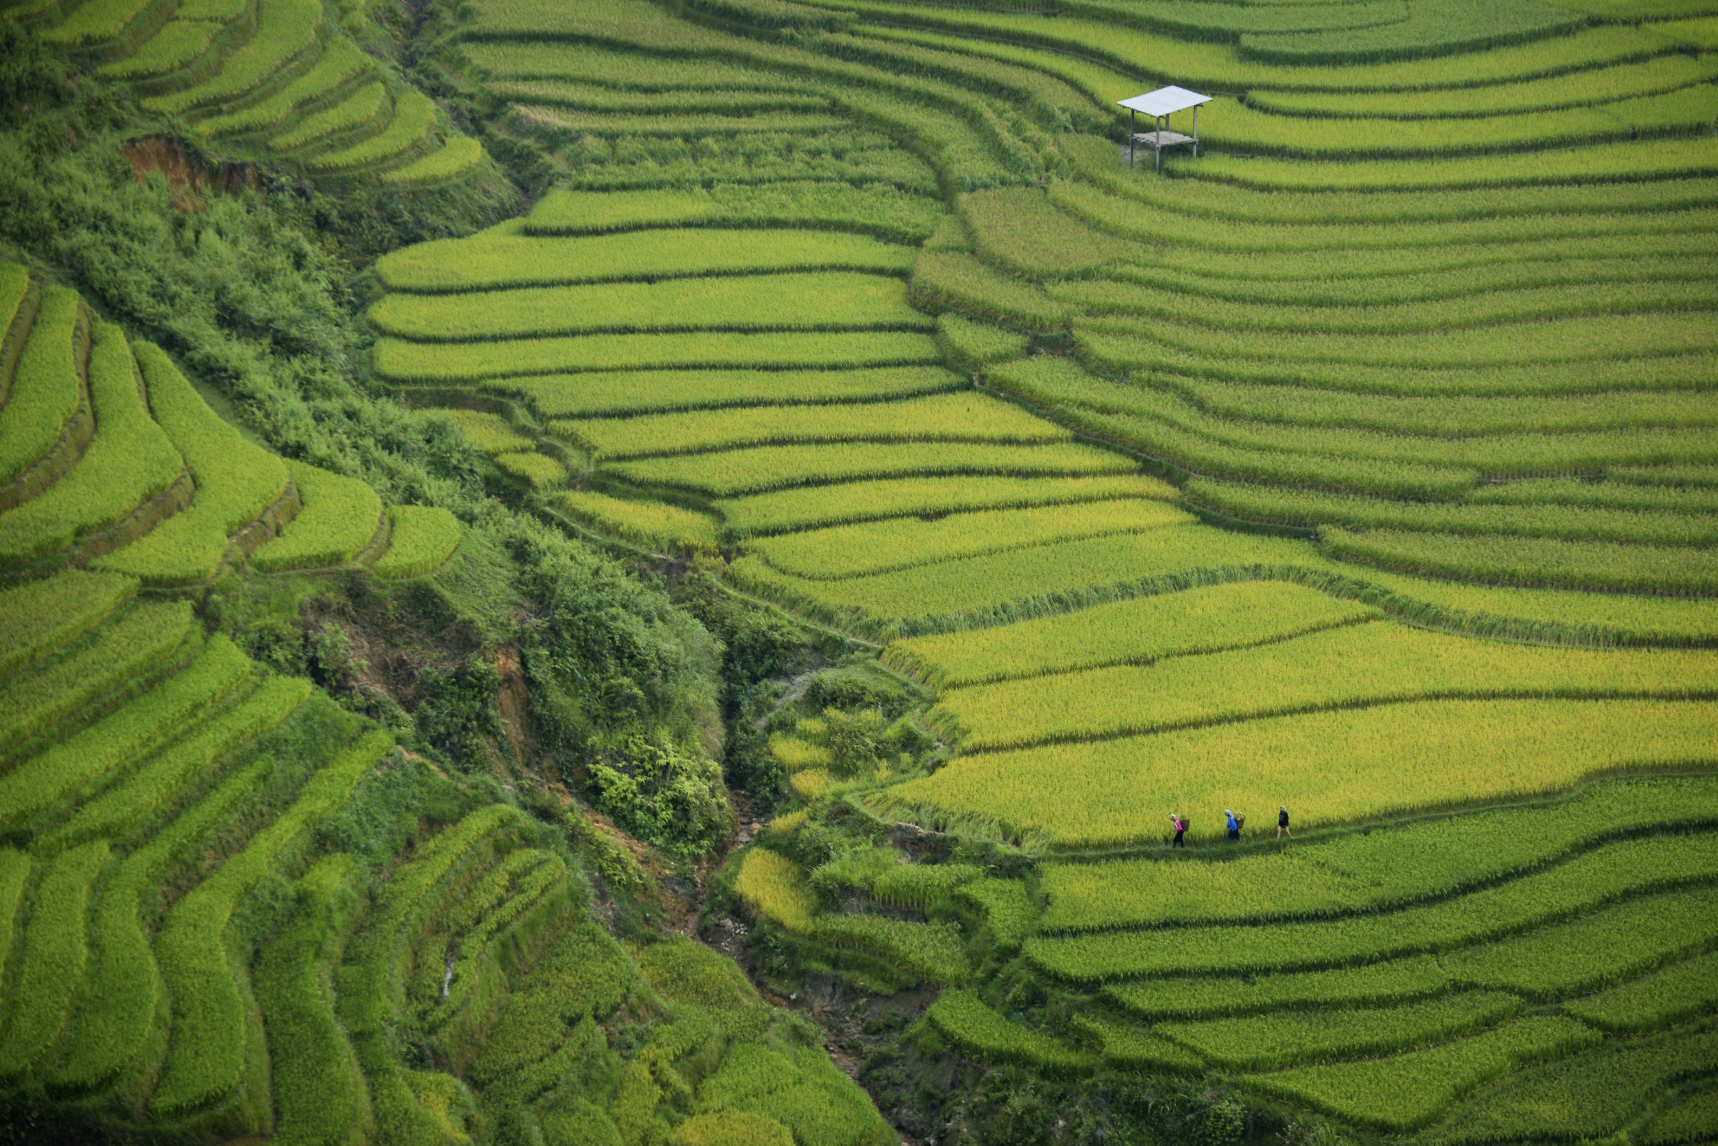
x: 1361, y: 466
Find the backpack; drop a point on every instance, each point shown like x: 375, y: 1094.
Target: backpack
x: 1240, y: 822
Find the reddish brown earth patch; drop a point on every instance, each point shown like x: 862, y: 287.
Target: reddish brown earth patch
x: 190, y: 181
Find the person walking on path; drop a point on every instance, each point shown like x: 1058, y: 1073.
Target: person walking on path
x: 1180, y: 826
x: 1282, y: 822
x: 1234, y: 826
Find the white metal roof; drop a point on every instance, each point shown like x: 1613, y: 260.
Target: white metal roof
x: 1164, y: 100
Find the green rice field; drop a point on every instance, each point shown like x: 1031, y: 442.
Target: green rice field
x: 1222, y: 650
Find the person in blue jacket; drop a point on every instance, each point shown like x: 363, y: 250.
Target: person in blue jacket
x: 1234, y: 826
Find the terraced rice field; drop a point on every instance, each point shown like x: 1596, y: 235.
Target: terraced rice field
x: 124, y: 469
x: 1362, y: 464
x: 268, y: 78
x: 157, y: 783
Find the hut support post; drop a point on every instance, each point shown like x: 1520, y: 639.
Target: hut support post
x: 1196, y: 131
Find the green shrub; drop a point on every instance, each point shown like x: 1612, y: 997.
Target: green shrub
x: 56, y: 947
x: 40, y: 616
x: 665, y: 793
x: 128, y: 461
x: 45, y: 392
x: 205, y: 1057
x: 984, y: 1034
x: 339, y: 517
x: 105, y: 658
x: 162, y: 773
x: 36, y: 783
x: 423, y: 538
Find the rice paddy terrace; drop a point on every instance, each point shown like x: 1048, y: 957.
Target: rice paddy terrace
x: 160, y: 787
x: 272, y: 80
x: 1364, y: 464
